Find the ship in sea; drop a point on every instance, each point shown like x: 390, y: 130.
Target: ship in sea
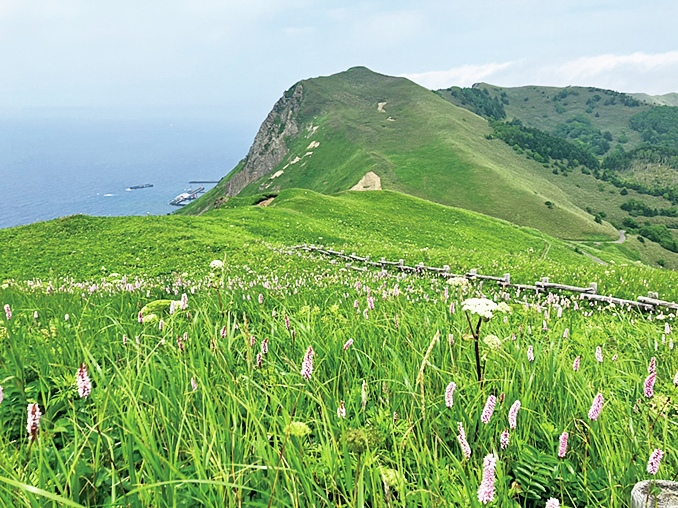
x: 143, y: 186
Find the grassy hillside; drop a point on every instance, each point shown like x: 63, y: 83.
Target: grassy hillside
x: 546, y: 108
x: 293, y: 381
x: 419, y: 144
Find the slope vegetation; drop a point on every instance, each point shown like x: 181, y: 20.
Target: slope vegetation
x: 326, y: 133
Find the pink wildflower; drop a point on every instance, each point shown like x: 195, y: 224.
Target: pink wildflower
x: 504, y: 439
x: 513, y: 414
x: 287, y: 322
x: 180, y: 343
x: 264, y: 346
x: 655, y: 459
x: 194, y: 385
x: 124, y: 340
x: 552, y: 503
x: 530, y: 353
x: 652, y: 367
x: 599, y: 354
x: 33, y: 425
x: 488, y: 410
x: 184, y: 301
x: 566, y: 333
x: 253, y: 340
x: 648, y: 386
x: 348, y: 344
x: 307, y: 365
x: 83, y: 382
x: 562, y: 449
x: 465, y: 448
x: 356, y: 305
x: 261, y: 298
x: 365, y: 314
x: 486, y: 490
x: 452, y: 308
x: 450, y: 339
x: 341, y: 410
x: 614, y: 358
x: 1, y: 395
x: 596, y: 407
x: 575, y: 365
x: 667, y: 328
x: 224, y: 332
x: 141, y: 318
x: 161, y: 325
x: 260, y: 360
x: 8, y: 312
x: 449, y: 394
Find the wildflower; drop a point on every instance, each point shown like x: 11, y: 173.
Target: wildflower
x: 297, y: 429
x: 488, y: 410
x: 450, y: 339
x: 493, y: 342
x: 667, y: 328
x: 66, y: 317
x: 370, y: 302
x: 264, y: 346
x: 287, y: 322
x: 35, y: 315
x: 552, y: 503
x: 224, y: 332
x: 596, y: 407
x: 180, y: 343
x: 194, y: 385
x: 465, y: 448
x: 216, y: 264
x: 363, y: 394
x: 480, y: 306
x: 486, y: 490
x: 33, y: 425
x: 504, y: 439
x: 452, y: 308
x: 253, y: 340
x: 161, y: 325
x: 648, y: 386
x: 138, y: 341
x: 260, y: 360
x: 83, y: 382
x: 173, y: 307
x: 562, y: 449
x: 8, y: 312
x: 652, y: 367
x: 365, y: 314
x: 141, y: 318
x: 184, y: 301
x: 1, y: 395
x: 124, y: 340
x: 348, y: 344
x: 307, y: 365
x: 575, y: 365
x: 341, y: 410
x: 449, y: 394
x: 599, y: 354
x: 513, y: 414
x: 530, y: 353
x: 614, y: 358
x: 356, y: 305
x: 261, y: 298
x: 566, y: 333
x: 655, y: 459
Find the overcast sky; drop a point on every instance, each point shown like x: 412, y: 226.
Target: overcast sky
x: 236, y: 57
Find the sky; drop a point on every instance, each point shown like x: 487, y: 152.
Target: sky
x: 235, y: 58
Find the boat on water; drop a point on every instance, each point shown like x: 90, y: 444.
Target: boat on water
x: 189, y: 195
x: 143, y: 186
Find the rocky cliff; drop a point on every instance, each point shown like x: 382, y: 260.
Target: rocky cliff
x: 269, y: 146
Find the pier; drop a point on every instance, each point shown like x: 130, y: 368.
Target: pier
x: 189, y: 195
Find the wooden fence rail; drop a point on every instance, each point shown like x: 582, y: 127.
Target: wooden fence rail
x: 646, y: 303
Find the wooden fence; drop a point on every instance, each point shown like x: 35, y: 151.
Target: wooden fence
x: 646, y: 303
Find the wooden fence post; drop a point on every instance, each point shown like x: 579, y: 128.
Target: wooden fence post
x: 668, y: 496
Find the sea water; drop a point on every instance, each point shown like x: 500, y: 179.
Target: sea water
x: 58, y: 164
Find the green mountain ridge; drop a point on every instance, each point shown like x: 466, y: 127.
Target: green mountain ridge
x: 326, y: 133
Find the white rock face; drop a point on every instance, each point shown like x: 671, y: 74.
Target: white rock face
x: 369, y: 182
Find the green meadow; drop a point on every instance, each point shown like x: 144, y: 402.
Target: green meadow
x: 199, y: 391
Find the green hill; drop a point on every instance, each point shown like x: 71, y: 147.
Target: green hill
x: 326, y: 134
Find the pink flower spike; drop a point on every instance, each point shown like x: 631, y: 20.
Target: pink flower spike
x: 33, y: 424
x: 504, y: 439
x: 83, y: 382
x: 465, y: 448
x: 655, y: 459
x: 264, y: 346
x: 488, y: 410
x: 596, y: 407
x: 513, y: 414
x: 599, y: 354
x: 287, y: 322
x: 1, y: 395
x: 194, y: 385
x: 184, y: 301
x: 449, y: 394
x: 562, y: 449
x: 552, y: 503
x: 307, y: 364
x: 261, y: 298
x: 224, y: 333
x: 486, y: 490
x: 341, y: 410
x: 652, y: 367
x: 348, y: 344
x: 575, y: 365
x: 260, y: 360
x: 141, y: 318
x: 8, y: 312
x: 648, y: 386
x: 530, y: 353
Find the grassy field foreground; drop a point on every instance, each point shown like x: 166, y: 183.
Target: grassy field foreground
x: 217, y: 400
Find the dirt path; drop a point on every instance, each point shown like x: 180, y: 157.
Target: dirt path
x: 622, y: 237
x: 597, y: 260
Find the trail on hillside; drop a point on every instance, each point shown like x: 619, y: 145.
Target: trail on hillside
x: 622, y: 237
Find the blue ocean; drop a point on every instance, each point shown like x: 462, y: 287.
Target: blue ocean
x: 54, y: 164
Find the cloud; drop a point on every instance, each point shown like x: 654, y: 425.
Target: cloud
x: 653, y: 73
x: 465, y: 75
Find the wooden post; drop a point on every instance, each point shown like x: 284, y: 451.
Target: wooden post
x: 653, y: 295
x: 594, y: 287
x: 667, y: 498
x: 507, y: 278
x: 473, y: 271
x: 545, y: 280
x: 446, y: 268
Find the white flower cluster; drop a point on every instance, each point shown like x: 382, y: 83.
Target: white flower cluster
x: 484, y: 307
x: 216, y: 264
x: 461, y: 282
